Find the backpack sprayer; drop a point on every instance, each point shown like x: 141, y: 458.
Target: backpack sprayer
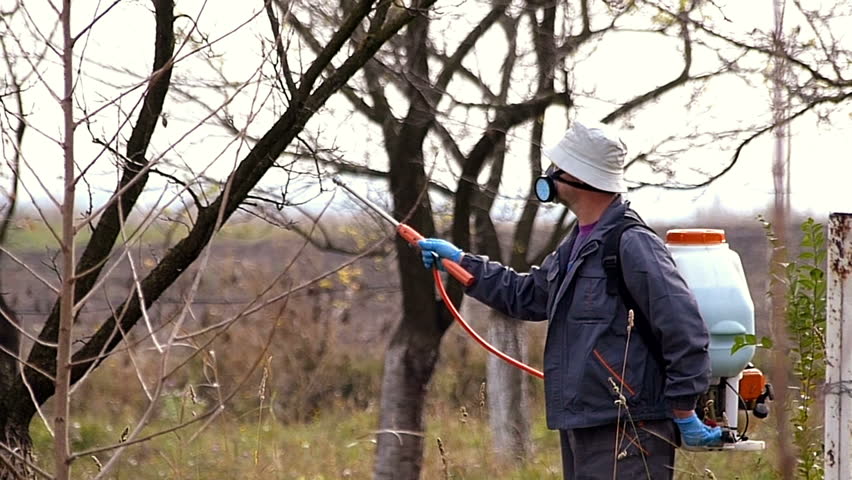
x: 715, y: 275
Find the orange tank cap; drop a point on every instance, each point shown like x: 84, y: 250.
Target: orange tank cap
x: 695, y: 236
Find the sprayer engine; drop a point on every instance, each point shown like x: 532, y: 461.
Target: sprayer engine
x: 732, y: 403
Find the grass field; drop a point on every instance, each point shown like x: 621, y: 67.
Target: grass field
x: 339, y: 445
x: 337, y: 442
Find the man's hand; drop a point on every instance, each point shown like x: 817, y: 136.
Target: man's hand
x: 432, y: 248
x: 696, y: 434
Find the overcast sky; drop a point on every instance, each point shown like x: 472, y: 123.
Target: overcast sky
x: 820, y: 155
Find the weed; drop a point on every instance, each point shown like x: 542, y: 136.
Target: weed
x: 805, y: 315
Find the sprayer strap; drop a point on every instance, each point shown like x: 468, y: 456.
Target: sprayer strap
x: 615, y: 281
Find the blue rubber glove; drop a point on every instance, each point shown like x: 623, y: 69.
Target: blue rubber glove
x: 696, y: 433
x: 432, y: 248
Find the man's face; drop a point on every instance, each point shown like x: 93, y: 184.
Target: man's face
x: 565, y: 193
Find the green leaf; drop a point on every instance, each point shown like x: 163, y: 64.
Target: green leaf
x: 748, y: 340
x: 739, y: 344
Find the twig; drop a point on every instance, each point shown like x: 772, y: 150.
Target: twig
x: 399, y: 433
x: 26, y: 267
x: 213, y: 412
x: 18, y: 456
x: 444, y: 461
x: 622, y: 403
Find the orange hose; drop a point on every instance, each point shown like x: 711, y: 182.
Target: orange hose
x: 467, y: 328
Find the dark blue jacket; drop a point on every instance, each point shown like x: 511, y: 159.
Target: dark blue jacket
x: 584, y: 355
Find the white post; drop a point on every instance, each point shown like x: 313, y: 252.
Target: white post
x: 732, y: 400
x: 838, y: 388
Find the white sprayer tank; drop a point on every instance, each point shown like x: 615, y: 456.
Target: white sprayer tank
x: 715, y: 275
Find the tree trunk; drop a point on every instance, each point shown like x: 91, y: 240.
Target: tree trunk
x: 16, y: 437
x: 780, y: 219
x: 507, y: 388
x: 409, y: 364
x: 9, y: 346
x: 413, y: 350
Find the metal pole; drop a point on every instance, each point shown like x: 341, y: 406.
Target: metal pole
x: 381, y: 211
x: 838, y: 388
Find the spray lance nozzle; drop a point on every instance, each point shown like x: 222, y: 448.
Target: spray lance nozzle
x: 413, y: 237
x: 409, y: 234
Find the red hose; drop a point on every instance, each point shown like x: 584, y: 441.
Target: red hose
x: 452, y: 308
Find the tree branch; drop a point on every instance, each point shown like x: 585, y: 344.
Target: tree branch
x: 279, y: 44
x: 454, y: 62
x: 359, y: 11
x: 768, y: 51
x: 659, y: 91
x: 239, y: 185
x: 545, y: 46
x: 735, y: 158
x: 496, y: 132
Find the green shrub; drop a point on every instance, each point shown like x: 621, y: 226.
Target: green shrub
x: 805, y: 316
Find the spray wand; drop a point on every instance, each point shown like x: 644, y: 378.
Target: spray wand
x: 412, y: 236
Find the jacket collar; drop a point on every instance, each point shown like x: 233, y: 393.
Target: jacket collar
x: 610, y: 218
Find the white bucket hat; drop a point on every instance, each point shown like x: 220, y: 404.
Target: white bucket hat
x: 594, y: 154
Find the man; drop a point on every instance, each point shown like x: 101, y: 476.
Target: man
x: 614, y: 414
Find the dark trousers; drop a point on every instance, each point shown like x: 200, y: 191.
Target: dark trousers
x: 646, y: 451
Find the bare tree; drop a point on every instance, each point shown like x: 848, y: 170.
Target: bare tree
x: 13, y: 128
x: 67, y: 349
x: 405, y: 67
x: 814, y: 81
x: 413, y: 350
x: 780, y: 218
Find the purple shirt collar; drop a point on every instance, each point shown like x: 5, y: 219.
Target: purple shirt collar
x: 585, y: 231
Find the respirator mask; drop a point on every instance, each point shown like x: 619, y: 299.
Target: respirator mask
x: 545, y: 185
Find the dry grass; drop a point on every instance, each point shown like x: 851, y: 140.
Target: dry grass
x: 338, y: 443
x: 275, y: 430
